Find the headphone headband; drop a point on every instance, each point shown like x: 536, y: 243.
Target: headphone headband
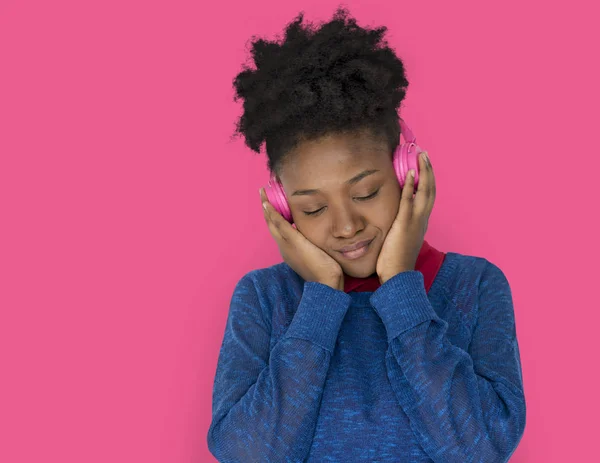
x: 406, y: 132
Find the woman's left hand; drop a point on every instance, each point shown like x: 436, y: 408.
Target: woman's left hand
x: 404, y: 240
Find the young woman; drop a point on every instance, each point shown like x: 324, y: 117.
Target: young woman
x: 392, y: 351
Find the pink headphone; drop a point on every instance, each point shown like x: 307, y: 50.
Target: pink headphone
x: 405, y: 159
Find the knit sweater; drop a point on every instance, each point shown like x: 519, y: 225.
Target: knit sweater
x: 308, y: 373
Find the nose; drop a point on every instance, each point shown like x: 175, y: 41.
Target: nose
x: 346, y: 224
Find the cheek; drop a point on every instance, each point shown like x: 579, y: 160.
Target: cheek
x: 384, y: 215
x: 314, y: 234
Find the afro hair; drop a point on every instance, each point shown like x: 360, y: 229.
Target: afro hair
x: 340, y: 78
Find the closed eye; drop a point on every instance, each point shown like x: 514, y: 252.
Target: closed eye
x: 372, y: 195
x: 362, y: 198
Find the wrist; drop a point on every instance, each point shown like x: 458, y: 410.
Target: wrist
x: 385, y: 277
x: 335, y: 283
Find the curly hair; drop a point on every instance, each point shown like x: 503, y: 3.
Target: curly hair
x: 340, y: 79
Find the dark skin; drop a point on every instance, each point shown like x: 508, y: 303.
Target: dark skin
x: 395, y: 217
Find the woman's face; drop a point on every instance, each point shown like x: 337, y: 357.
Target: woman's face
x: 340, y: 217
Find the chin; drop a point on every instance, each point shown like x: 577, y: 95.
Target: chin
x: 359, y: 271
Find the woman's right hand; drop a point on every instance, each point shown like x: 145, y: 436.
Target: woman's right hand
x: 305, y: 258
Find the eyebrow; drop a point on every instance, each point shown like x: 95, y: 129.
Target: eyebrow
x: 352, y: 181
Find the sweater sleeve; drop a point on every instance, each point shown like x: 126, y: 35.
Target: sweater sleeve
x: 462, y: 406
x: 266, y: 404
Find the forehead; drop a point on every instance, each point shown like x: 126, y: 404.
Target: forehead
x: 333, y: 157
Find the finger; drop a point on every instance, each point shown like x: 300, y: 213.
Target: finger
x: 431, y: 188
x: 422, y: 198
x: 282, y: 227
x: 267, y: 215
x: 406, y: 199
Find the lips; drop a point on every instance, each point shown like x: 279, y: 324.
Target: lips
x: 355, y: 246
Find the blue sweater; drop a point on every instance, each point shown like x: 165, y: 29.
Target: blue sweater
x: 308, y: 373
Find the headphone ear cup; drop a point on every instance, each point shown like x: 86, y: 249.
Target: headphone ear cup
x: 277, y: 197
x: 406, y: 158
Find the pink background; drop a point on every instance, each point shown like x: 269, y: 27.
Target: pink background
x: 128, y: 214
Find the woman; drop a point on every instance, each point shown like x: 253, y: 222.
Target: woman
x: 393, y: 352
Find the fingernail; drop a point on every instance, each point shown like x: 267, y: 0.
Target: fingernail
x: 264, y: 205
x: 412, y: 173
